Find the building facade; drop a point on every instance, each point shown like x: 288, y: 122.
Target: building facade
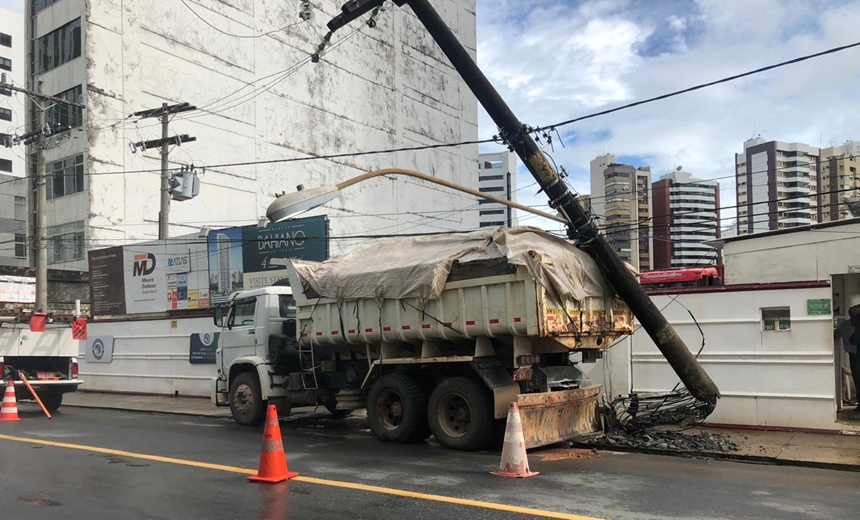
x: 260, y: 102
x: 839, y: 180
x: 686, y: 216
x: 626, y: 219
x: 13, y: 67
x: 497, y: 176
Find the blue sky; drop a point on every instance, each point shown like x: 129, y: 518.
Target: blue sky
x: 554, y: 60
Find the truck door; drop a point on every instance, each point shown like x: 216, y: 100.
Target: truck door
x: 239, y: 337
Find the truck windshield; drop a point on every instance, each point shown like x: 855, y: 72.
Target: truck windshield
x: 287, y: 306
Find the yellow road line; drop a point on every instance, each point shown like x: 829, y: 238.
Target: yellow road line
x: 307, y: 480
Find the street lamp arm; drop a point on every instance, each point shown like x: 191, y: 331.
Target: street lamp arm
x: 442, y: 182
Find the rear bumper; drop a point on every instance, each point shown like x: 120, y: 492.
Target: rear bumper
x: 61, y: 387
x: 552, y: 417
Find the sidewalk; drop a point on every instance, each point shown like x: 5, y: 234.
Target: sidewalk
x: 821, y: 450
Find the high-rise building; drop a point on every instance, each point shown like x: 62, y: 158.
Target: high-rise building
x: 259, y: 100
x: 13, y: 67
x: 784, y: 185
x: 625, y: 219
x: 497, y: 176
x: 777, y: 185
x: 225, y: 282
x: 686, y: 214
x: 839, y: 179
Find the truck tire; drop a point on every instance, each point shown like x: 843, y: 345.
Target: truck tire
x: 52, y: 401
x: 246, y: 401
x: 460, y: 414
x: 397, y: 409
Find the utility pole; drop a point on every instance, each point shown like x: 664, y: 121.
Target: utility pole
x: 164, y: 114
x: 580, y: 225
x: 36, y: 137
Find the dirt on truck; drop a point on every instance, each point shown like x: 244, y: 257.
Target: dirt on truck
x: 433, y: 335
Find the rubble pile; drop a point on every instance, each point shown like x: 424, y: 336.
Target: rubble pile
x: 668, y: 440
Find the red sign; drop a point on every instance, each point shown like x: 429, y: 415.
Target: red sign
x: 79, y: 329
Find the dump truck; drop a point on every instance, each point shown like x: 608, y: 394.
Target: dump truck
x: 433, y: 335
x: 46, y: 358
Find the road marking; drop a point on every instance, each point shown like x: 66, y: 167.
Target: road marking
x: 307, y: 480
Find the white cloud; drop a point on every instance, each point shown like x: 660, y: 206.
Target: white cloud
x: 555, y: 60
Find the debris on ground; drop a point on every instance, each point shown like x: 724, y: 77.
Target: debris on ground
x: 667, y: 440
x: 570, y: 454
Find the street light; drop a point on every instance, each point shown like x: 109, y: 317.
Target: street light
x: 293, y: 204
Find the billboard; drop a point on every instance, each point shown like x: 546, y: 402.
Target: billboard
x: 241, y: 258
x: 107, y: 281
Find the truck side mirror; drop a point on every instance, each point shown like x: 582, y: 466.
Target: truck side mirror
x: 218, y: 316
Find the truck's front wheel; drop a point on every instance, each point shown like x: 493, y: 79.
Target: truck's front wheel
x: 461, y: 414
x: 246, y: 401
x: 397, y: 409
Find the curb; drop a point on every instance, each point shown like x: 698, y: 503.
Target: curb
x: 139, y: 410
x: 731, y: 457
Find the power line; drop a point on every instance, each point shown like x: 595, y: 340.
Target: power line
x: 238, y: 35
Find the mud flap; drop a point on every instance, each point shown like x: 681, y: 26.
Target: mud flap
x: 551, y: 417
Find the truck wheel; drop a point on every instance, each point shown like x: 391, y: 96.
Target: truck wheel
x: 397, y: 409
x: 52, y: 401
x: 461, y: 414
x: 246, y: 401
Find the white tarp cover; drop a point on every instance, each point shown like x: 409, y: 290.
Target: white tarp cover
x: 418, y: 267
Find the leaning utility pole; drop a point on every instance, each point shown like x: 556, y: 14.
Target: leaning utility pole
x: 36, y: 137
x: 164, y: 114
x: 580, y: 225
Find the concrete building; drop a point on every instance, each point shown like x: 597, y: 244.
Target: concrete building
x: 839, y: 180
x: 13, y: 65
x: 612, y: 202
x: 260, y: 101
x: 497, y: 176
x: 686, y: 215
x: 13, y: 221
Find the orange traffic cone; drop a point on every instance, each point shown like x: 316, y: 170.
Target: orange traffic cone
x: 273, y: 461
x: 9, y: 410
x: 514, y: 462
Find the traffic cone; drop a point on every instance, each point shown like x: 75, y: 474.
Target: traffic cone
x: 273, y: 461
x: 514, y: 462
x: 9, y: 410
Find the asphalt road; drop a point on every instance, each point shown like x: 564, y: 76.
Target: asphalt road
x: 69, y: 468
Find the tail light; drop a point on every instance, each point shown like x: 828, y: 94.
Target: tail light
x: 74, y: 369
x: 2, y: 371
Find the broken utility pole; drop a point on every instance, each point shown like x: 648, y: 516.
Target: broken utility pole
x: 580, y: 226
x: 164, y: 114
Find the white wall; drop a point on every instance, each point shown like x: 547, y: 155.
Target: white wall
x: 149, y: 357
x: 383, y: 88
x: 767, y: 378
x: 796, y: 256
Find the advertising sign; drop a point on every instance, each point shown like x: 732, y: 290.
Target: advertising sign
x: 203, y: 346
x: 107, y: 283
x: 145, y: 284
x: 99, y: 349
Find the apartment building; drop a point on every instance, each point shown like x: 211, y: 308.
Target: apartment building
x: 497, y: 176
x: 686, y: 213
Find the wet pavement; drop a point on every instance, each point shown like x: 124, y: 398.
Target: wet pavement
x: 43, y: 481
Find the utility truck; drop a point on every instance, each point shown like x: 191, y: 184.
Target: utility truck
x: 47, y: 359
x: 433, y: 335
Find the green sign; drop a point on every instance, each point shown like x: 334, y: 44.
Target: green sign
x: 302, y: 239
x: 203, y: 347
x: 816, y: 307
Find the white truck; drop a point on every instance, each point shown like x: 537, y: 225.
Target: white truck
x: 432, y: 335
x: 47, y: 359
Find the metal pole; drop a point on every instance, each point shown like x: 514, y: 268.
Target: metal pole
x: 580, y: 225
x: 164, y: 214
x: 41, y: 213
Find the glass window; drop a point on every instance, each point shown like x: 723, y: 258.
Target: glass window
x: 61, y: 116
x: 20, y: 208
x: 38, y: 5
x: 5, y: 165
x: 66, y: 242
x: 491, y: 177
x: 66, y: 177
x: 495, y: 188
x: 243, y: 313
x: 5, y: 40
x: 5, y: 64
x: 491, y: 212
x: 5, y: 114
x: 776, y: 319
x: 57, y: 47
x: 20, y: 245
x: 286, y: 306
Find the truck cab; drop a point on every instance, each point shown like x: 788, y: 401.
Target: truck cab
x: 257, y: 327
